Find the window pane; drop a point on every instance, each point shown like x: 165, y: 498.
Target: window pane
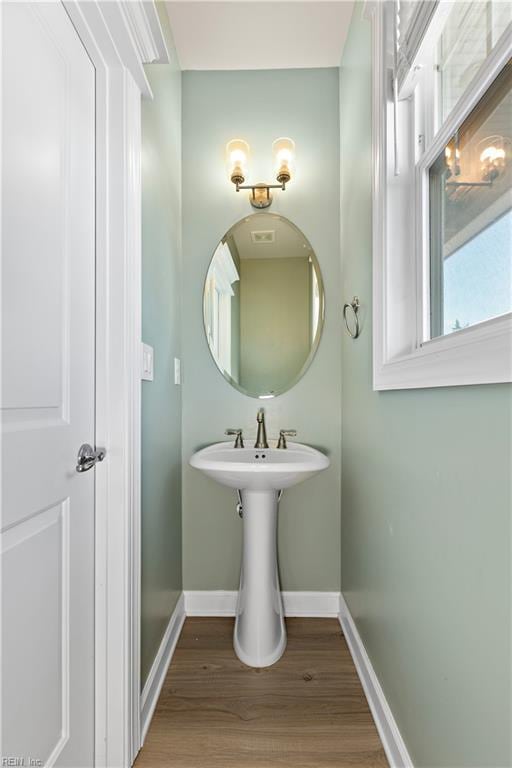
x: 470, y: 216
x: 475, y: 272
x: 470, y: 33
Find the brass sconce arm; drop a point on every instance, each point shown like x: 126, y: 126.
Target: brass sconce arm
x: 261, y: 186
x: 260, y: 193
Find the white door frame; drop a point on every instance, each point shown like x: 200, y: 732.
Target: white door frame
x: 119, y: 37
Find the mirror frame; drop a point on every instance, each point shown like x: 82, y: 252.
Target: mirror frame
x: 321, y: 319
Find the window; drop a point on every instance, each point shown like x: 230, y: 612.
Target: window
x: 470, y: 216
x: 470, y: 33
x: 442, y: 193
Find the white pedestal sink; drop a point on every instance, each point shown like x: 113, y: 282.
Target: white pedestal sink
x: 260, y: 634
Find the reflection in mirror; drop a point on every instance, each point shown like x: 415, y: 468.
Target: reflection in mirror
x: 263, y: 305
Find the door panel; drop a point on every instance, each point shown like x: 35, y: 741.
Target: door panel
x: 36, y: 559
x: 48, y: 313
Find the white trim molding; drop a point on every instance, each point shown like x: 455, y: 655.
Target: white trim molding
x: 210, y: 602
x: 111, y: 34
x: 311, y: 604
x: 158, y: 671
x: 223, y: 603
x: 142, y: 18
x: 392, y: 741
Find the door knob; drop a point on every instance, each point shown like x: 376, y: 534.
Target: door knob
x: 88, y: 457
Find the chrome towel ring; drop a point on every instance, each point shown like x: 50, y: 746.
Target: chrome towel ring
x: 354, y: 306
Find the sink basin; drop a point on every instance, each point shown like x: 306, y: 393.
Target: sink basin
x: 269, y: 469
x: 259, y: 474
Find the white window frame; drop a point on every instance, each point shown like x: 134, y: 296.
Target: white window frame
x: 479, y: 354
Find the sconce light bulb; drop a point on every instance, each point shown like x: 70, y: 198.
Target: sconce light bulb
x: 237, y: 156
x: 493, y: 161
x: 492, y: 155
x: 283, y: 151
x: 237, y: 160
x: 452, y: 159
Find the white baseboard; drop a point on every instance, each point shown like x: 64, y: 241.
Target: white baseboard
x: 223, y: 603
x: 320, y: 604
x: 158, y: 671
x: 210, y: 602
x: 394, y: 746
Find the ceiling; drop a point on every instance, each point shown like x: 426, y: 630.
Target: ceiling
x: 259, y: 34
x: 288, y: 242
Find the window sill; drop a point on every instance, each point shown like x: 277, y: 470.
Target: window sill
x: 481, y: 354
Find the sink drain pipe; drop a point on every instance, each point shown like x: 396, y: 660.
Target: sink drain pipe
x: 240, y: 506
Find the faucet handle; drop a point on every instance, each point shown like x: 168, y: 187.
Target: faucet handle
x: 283, y: 434
x: 239, y: 442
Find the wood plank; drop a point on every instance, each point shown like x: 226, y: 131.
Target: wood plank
x: 301, y: 631
x: 306, y: 711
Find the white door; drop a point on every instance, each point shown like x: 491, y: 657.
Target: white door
x: 48, y: 317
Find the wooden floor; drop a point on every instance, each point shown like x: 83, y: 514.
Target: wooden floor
x: 306, y: 711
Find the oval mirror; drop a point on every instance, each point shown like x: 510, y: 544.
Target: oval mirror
x: 263, y: 305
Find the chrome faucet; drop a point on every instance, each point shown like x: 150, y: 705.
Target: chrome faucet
x: 239, y: 442
x: 261, y: 438
x: 283, y: 434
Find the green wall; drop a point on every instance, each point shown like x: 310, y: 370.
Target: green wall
x: 161, y: 327
x: 275, y: 321
x: 260, y: 106
x: 426, y: 504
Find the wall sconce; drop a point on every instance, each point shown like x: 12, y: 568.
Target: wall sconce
x: 237, y: 158
x: 489, y: 160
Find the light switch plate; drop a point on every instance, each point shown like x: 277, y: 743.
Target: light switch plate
x: 147, y: 363
x: 177, y: 370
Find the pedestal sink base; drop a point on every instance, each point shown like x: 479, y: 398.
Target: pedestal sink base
x: 260, y: 634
